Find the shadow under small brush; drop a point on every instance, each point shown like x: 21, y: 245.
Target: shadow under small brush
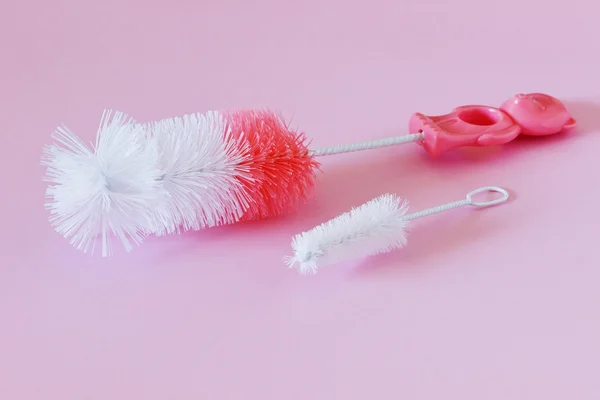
x: 430, y: 240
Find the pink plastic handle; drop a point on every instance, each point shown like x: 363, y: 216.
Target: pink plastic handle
x: 534, y: 114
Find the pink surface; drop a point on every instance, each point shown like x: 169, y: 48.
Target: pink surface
x: 499, y: 304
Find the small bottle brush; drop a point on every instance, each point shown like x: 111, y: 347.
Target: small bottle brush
x: 376, y: 227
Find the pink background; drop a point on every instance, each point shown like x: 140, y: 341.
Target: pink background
x: 501, y: 304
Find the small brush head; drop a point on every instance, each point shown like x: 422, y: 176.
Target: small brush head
x: 375, y: 227
x: 110, y: 189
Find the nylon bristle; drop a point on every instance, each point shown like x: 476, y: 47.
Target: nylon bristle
x: 375, y: 227
x: 282, y: 172
x: 110, y: 189
x: 202, y: 166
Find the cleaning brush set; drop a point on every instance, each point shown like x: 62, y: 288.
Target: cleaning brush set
x: 217, y: 168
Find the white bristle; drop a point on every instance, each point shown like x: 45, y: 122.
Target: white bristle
x: 201, y: 168
x: 112, y: 188
x: 375, y: 227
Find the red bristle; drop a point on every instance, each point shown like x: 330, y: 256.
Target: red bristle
x: 282, y: 171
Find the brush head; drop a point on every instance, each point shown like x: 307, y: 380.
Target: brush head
x: 109, y: 190
x: 375, y: 227
x: 176, y: 174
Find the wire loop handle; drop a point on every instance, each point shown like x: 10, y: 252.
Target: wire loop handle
x: 488, y: 203
x: 467, y: 201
